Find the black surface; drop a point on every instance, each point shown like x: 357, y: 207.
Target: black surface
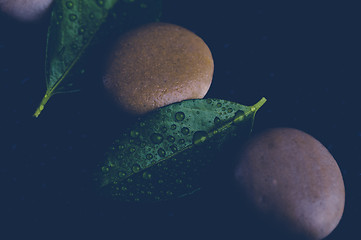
x: 303, y: 57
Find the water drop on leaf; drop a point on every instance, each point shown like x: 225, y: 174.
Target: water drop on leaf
x: 72, y: 17
x: 69, y: 4
x: 179, y: 116
x: 156, y: 138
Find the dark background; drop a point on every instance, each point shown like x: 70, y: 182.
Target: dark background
x: 303, y: 57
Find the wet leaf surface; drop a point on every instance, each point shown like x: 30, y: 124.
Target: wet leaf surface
x: 75, y: 26
x: 163, y: 154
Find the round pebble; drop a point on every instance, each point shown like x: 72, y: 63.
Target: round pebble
x: 155, y: 65
x: 290, y: 177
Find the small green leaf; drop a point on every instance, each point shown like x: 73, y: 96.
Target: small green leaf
x: 161, y: 156
x: 76, y: 25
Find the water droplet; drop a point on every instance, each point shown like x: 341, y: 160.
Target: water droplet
x: 91, y: 16
x: 229, y: 110
x: 100, y: 3
x: 179, y: 116
x: 142, y: 124
x: 185, y: 131
x: 105, y: 169
x: 238, y: 117
x: 132, y: 149
x: 161, y: 152
x: 163, y: 129
x: 147, y: 175
x: 219, y: 105
x: 124, y: 188
x: 209, y: 101
x: 181, y: 141
x: 170, y: 139
x: 69, y: 4
x: 134, y: 134
x: 169, y: 193
x: 253, y: 109
x: 156, y: 138
x: 60, y: 17
x: 173, y: 148
x: 223, y: 109
x: 199, y: 137
x: 81, y: 30
x: 149, y: 193
x: 72, y: 17
x: 160, y: 181
x: 189, y: 186
x: 217, y: 120
x: 149, y: 156
x: 173, y: 126
x: 122, y: 174
x: 136, y: 168
x: 129, y: 180
x: 178, y: 180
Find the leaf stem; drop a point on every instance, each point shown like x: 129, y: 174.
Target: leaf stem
x: 259, y: 104
x: 42, y: 103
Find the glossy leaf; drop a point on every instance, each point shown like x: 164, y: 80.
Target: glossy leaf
x: 161, y: 156
x: 77, y: 24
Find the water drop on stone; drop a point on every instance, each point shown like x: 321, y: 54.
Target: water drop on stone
x: 185, y: 130
x: 199, y: 137
x: 173, y: 126
x: 161, y: 152
x: 156, y: 138
x: 136, y: 168
x: 229, y: 110
x: 179, y: 116
x: 69, y: 4
x: 149, y: 156
x: 219, y: 105
x: 181, y: 141
x: 217, y: 120
x: 72, y: 17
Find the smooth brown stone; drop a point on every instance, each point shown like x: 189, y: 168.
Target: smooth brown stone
x: 156, y: 65
x: 290, y: 177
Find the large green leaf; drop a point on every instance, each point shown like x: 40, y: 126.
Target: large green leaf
x: 161, y: 156
x: 77, y: 24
